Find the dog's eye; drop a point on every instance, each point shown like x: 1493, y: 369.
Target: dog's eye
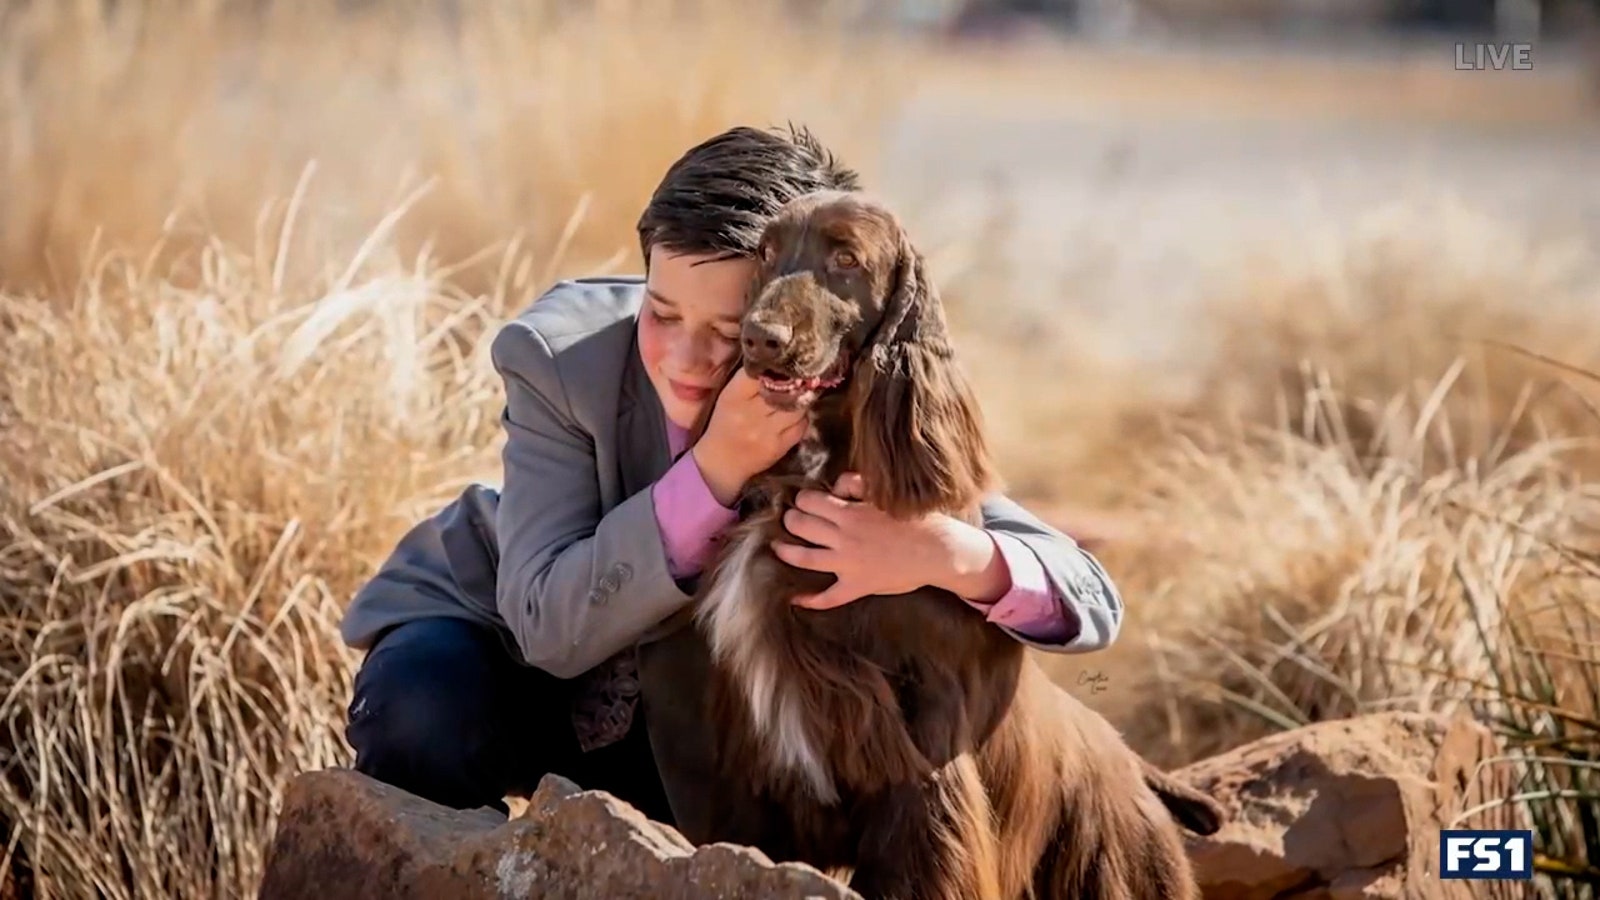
x: 844, y: 259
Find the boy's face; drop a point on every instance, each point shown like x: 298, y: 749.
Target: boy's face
x: 689, y: 327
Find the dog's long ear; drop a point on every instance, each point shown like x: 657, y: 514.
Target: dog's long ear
x: 917, y: 431
x: 912, y: 297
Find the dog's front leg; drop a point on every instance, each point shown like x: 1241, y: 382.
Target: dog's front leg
x: 934, y: 840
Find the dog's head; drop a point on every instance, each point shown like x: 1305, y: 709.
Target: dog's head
x: 842, y: 303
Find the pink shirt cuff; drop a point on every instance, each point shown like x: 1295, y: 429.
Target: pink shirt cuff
x: 689, y: 517
x: 1031, y: 605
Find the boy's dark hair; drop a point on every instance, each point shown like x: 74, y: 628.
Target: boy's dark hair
x: 716, y: 199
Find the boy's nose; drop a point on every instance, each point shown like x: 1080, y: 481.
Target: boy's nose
x: 764, y: 338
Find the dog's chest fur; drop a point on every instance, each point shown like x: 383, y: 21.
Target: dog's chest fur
x: 844, y: 701
x: 743, y: 613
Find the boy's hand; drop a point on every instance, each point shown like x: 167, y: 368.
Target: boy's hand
x: 874, y: 553
x: 744, y: 437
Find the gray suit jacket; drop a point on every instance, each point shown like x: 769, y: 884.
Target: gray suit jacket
x: 566, y: 562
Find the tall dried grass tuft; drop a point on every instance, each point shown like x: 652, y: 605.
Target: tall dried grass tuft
x: 1301, y: 581
x: 196, y: 476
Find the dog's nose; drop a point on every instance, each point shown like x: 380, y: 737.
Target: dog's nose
x: 765, y: 337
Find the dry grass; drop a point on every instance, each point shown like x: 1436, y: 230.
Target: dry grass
x: 1308, y: 585
x: 1375, y: 499
x: 180, y: 122
x: 1305, y: 583
x: 248, y: 288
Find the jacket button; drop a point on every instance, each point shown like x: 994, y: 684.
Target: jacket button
x: 608, y: 583
x: 597, y: 598
x: 623, y: 571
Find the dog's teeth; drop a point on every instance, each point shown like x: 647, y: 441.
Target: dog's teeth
x: 791, y: 385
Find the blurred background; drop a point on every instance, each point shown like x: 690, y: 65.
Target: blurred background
x: 1286, y: 308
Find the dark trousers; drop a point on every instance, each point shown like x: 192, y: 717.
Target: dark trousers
x: 442, y: 711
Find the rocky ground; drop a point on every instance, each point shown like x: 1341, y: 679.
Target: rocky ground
x: 1336, y: 811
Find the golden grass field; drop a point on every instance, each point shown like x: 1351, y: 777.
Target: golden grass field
x: 250, y: 263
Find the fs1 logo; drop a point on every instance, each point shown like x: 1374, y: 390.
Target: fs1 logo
x: 1486, y: 855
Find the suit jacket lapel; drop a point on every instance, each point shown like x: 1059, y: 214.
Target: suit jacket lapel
x: 642, y: 455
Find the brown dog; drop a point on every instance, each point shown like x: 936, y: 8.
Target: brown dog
x: 903, y: 737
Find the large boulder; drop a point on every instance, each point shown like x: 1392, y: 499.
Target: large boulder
x: 1348, y: 809
x: 341, y: 834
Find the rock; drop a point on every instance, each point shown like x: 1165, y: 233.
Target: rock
x: 342, y: 834
x: 1346, y: 810
x: 1342, y: 810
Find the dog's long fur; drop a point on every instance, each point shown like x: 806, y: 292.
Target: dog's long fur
x: 904, y: 737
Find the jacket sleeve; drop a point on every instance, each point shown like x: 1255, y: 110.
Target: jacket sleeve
x: 573, y: 586
x: 1090, y: 602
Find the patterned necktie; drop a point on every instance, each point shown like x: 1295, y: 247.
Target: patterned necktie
x: 602, y: 708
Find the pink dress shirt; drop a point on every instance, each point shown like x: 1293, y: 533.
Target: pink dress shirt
x: 690, y: 519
